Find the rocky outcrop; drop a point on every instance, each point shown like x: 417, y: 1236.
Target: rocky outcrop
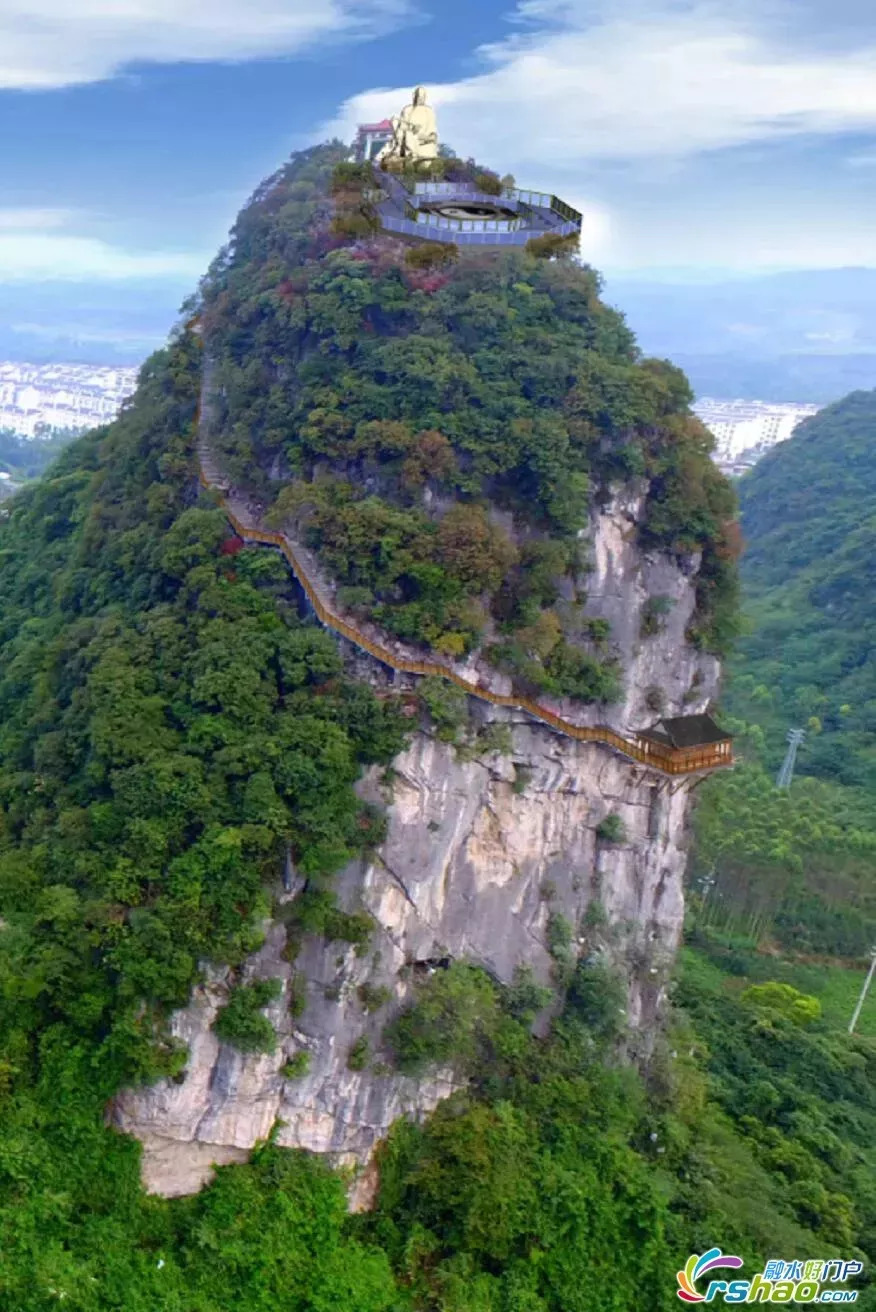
x: 624, y: 585
x: 480, y: 854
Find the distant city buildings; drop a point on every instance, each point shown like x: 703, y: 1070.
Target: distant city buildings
x: 40, y: 399
x: 744, y: 430
x: 36, y: 399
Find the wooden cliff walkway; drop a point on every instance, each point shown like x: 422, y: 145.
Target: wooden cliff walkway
x: 657, y: 756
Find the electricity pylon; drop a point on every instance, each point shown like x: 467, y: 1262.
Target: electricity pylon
x: 786, y: 774
x: 864, y: 991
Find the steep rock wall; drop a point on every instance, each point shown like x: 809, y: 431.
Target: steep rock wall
x: 479, y: 855
x: 622, y: 581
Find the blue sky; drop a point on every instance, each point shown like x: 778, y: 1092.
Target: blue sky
x: 696, y: 136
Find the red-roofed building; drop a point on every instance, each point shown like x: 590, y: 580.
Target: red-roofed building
x: 371, y: 138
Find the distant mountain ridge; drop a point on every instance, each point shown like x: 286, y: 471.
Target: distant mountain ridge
x: 806, y: 379
x: 87, y: 323
x: 801, y: 336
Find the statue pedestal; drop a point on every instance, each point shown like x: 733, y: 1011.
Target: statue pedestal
x: 407, y: 163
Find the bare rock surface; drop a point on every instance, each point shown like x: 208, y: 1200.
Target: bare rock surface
x: 478, y: 856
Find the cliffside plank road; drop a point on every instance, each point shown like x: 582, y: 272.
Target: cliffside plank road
x: 686, y: 745
x: 437, y: 210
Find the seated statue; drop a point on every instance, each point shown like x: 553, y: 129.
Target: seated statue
x: 414, y: 133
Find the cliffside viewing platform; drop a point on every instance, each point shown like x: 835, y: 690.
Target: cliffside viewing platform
x: 682, y: 745
x: 459, y: 212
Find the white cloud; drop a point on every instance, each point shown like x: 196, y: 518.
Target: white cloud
x: 748, y: 242
x: 576, y: 83
x: 27, y: 220
x: 56, y: 43
x: 35, y: 248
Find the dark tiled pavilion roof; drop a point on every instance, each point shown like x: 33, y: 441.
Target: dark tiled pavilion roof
x: 686, y: 731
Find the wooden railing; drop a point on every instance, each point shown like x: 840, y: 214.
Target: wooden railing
x: 667, y: 760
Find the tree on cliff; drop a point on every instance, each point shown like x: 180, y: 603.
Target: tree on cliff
x: 169, y: 729
x: 408, y: 405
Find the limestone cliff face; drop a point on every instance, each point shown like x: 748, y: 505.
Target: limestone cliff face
x: 622, y: 582
x: 478, y: 856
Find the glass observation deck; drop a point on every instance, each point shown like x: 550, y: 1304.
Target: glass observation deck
x: 412, y: 208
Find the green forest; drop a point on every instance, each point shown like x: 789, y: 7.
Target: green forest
x: 170, y: 726
x: 782, y: 887
x: 795, y: 869
x: 25, y: 458
x: 809, y: 521
x: 443, y: 442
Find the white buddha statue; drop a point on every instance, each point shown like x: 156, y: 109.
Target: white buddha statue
x: 414, y: 133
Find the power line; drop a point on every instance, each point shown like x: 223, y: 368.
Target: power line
x: 786, y: 774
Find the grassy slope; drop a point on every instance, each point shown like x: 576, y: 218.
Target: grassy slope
x: 835, y: 984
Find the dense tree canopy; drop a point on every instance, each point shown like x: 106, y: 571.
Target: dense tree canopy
x: 170, y: 729
x: 782, y: 909
x: 793, y: 868
x: 400, y: 397
x: 27, y: 457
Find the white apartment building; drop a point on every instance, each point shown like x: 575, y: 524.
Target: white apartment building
x: 739, y: 426
x: 37, y: 398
